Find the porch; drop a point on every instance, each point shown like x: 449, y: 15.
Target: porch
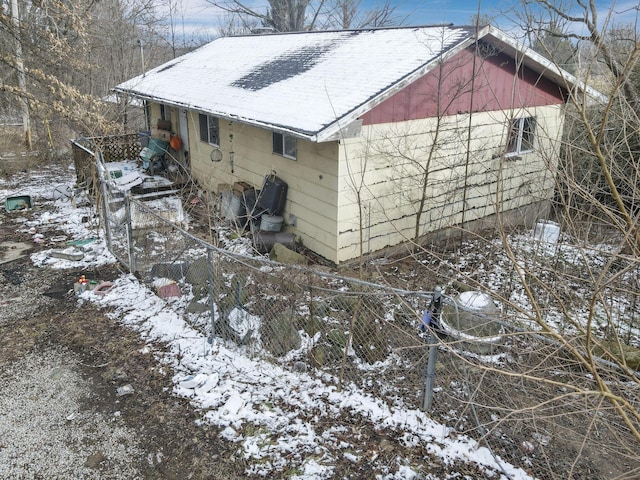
x: 125, y: 162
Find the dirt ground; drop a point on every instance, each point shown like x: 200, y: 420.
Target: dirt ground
x: 39, y: 316
x: 51, y: 343
x: 54, y: 348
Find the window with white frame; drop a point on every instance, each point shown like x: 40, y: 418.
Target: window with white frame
x: 521, y: 135
x: 285, y: 145
x: 209, y: 129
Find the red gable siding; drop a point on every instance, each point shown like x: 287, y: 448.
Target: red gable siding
x: 495, y: 87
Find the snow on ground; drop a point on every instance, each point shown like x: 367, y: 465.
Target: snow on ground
x: 284, y: 407
x: 296, y: 418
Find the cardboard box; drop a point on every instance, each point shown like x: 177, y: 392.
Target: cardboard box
x: 164, y: 135
x: 241, y: 187
x: 163, y: 124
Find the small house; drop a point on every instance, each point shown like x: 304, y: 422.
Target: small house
x: 383, y: 137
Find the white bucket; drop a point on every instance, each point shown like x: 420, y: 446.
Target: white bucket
x: 271, y: 223
x: 475, y: 323
x: 546, y: 231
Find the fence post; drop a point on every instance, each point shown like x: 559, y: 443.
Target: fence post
x: 212, y: 300
x: 102, y: 190
x: 106, y: 214
x: 431, y: 371
x: 132, y: 252
x: 432, y: 340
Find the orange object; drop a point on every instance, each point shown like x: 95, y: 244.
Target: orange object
x: 175, y: 142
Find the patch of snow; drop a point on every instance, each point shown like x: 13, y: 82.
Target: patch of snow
x: 232, y: 390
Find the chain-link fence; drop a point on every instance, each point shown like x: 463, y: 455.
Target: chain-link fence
x: 345, y: 330
x: 353, y: 331
x: 522, y: 394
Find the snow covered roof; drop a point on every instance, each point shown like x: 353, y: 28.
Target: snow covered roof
x: 309, y: 84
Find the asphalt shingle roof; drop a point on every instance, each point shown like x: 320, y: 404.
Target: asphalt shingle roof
x: 304, y: 83
x: 312, y: 84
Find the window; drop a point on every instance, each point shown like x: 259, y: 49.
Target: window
x: 164, y: 112
x: 285, y: 145
x: 521, y: 135
x: 209, y: 131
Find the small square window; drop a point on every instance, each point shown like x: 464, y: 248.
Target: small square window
x: 285, y: 145
x: 209, y: 129
x: 521, y: 135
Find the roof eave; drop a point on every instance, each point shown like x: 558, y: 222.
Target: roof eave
x: 310, y: 136
x: 538, y: 63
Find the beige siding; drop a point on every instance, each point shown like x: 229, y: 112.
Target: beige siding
x: 154, y: 113
x: 377, y: 179
x: 485, y: 182
x: 312, y: 196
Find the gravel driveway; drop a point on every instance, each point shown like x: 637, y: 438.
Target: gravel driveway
x: 48, y: 431
x: 61, y: 365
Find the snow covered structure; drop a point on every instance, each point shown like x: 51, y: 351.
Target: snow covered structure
x: 382, y: 135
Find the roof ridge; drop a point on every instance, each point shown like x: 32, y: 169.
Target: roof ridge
x: 363, y: 29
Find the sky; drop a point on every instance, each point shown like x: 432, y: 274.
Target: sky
x: 201, y: 18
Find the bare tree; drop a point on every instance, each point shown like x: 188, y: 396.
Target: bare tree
x: 571, y: 305
x: 281, y: 15
x: 299, y: 15
x: 345, y: 14
x: 619, y: 57
x: 73, y: 53
x: 234, y: 24
x: 53, y: 36
x: 549, y: 41
x: 583, y: 17
x: 571, y: 295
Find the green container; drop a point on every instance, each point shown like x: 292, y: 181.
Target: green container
x: 159, y: 147
x: 18, y: 203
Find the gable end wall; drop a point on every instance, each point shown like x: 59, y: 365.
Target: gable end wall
x: 495, y: 87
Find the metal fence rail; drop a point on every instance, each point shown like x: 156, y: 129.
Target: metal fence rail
x: 348, y: 332
x: 351, y: 331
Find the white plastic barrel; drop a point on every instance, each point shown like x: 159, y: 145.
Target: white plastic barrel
x: 546, y: 231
